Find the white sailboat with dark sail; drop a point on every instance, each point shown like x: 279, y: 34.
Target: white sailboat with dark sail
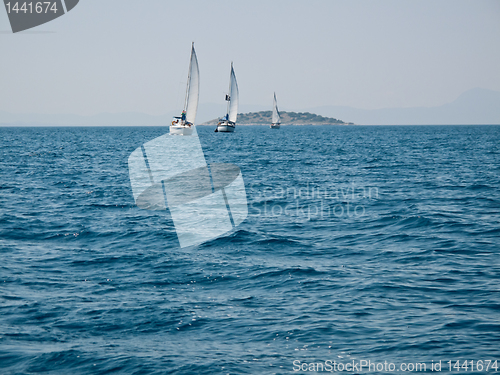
x: 275, y: 118
x: 228, y: 122
x: 184, y: 124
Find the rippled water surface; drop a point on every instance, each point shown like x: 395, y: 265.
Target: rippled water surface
x: 375, y: 243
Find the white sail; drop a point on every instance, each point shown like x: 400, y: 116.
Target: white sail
x: 193, y: 88
x: 276, y: 115
x: 233, y: 97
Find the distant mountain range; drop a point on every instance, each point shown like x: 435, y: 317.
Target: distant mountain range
x: 476, y: 106
x: 102, y: 119
x: 287, y: 118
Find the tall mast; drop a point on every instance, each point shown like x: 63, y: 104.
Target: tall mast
x: 189, y: 76
x: 277, y: 110
x: 229, y: 91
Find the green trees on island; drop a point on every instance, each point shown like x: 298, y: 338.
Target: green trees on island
x: 287, y: 118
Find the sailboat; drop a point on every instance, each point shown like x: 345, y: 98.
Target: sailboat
x: 275, y: 119
x: 184, y: 124
x: 228, y: 122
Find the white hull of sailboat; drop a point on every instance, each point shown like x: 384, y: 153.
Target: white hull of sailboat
x: 225, y: 127
x: 275, y: 126
x: 181, y: 130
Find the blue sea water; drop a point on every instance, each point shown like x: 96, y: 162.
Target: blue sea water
x: 362, y: 243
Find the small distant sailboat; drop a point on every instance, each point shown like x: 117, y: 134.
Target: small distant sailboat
x: 184, y: 124
x: 275, y: 119
x: 228, y: 122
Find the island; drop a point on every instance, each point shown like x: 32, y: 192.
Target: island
x: 287, y: 118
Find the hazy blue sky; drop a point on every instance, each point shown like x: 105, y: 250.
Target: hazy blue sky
x: 124, y: 55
